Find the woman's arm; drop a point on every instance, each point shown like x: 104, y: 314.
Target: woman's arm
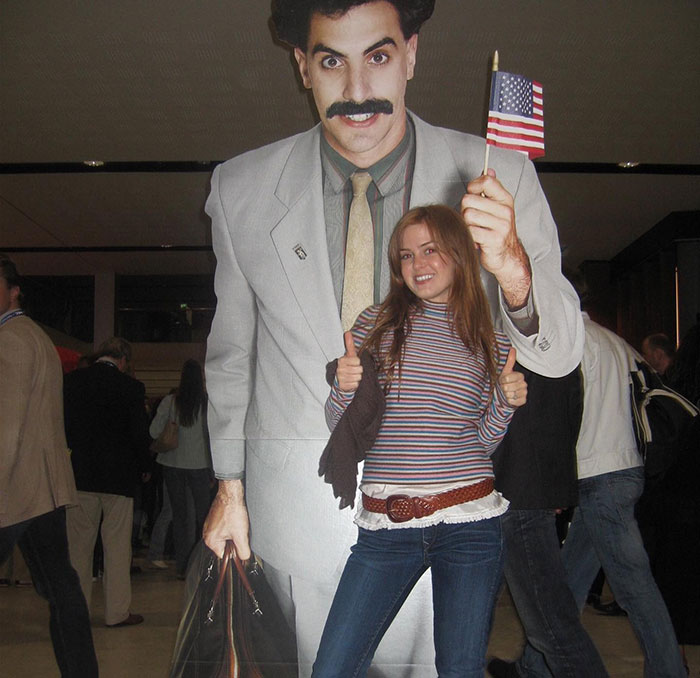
x: 161, y: 418
x: 349, y: 370
x: 347, y: 378
x: 509, y: 392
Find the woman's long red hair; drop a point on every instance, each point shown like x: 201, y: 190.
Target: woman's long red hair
x: 470, y: 313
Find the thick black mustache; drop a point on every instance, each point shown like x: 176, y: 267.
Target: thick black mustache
x: 354, y: 108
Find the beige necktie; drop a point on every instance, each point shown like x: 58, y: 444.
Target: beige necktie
x: 358, y: 282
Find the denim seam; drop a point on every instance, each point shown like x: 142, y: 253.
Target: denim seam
x: 363, y: 656
x: 652, y: 658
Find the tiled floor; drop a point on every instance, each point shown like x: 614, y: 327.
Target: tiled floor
x: 144, y: 651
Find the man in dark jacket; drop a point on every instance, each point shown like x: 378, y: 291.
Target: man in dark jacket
x: 535, y: 469
x: 107, y: 431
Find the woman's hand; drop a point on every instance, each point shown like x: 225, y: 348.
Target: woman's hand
x: 349, y: 370
x: 513, y: 384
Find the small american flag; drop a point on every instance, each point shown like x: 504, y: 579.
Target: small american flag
x: 515, y: 114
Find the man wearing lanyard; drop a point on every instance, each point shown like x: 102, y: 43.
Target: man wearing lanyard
x: 36, y: 480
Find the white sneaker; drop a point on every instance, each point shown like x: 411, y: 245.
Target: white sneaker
x: 159, y: 564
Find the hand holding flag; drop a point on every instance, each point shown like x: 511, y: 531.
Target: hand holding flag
x: 488, y: 208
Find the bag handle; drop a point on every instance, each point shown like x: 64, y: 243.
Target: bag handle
x: 230, y: 554
x: 244, y: 579
x: 223, y: 569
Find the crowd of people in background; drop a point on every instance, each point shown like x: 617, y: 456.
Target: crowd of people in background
x: 83, y: 443
x: 106, y: 423
x: 74, y: 452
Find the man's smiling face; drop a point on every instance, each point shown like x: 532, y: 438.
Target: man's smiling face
x: 357, y: 66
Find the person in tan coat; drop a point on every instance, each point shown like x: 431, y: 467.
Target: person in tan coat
x: 36, y: 479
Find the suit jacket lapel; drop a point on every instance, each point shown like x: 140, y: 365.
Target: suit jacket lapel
x: 300, y: 235
x: 436, y: 177
x: 300, y: 240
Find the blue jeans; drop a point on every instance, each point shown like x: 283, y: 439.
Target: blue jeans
x: 466, y: 562
x: 537, y: 581
x: 604, y: 533
x: 44, y: 545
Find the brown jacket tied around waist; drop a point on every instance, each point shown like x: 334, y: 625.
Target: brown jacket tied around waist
x: 354, y: 433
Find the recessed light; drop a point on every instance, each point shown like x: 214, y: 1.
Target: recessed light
x: 629, y: 164
x: 93, y: 163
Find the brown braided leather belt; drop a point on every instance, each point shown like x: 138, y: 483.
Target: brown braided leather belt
x: 400, y: 507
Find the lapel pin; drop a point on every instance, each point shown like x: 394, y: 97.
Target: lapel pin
x: 299, y: 251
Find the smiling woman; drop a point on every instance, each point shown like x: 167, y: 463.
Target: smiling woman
x: 428, y: 500
x: 426, y: 270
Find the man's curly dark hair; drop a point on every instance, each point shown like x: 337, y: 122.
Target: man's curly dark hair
x: 292, y: 18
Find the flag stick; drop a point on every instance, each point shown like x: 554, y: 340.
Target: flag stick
x: 494, y: 69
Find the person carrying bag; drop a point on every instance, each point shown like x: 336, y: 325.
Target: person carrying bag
x: 167, y: 440
x: 231, y: 624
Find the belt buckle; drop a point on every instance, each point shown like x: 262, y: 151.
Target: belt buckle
x: 423, y: 506
x: 399, y: 508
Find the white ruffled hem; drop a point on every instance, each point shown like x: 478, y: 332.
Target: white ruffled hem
x: 491, y: 506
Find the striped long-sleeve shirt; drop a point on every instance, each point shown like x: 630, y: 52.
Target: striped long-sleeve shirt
x: 442, y: 421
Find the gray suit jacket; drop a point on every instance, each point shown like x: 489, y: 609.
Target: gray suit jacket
x: 277, y: 324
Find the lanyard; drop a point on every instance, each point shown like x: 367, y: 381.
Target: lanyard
x: 9, y: 316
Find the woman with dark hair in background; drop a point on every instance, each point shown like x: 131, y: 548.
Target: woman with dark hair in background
x: 188, y: 466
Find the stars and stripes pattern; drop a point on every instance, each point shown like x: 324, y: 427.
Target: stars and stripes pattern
x: 441, y: 422
x: 515, y: 114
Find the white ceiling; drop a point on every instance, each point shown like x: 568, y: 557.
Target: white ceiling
x: 202, y: 80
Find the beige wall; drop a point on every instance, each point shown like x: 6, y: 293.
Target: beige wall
x: 158, y: 365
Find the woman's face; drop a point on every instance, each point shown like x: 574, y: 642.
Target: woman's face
x: 426, y: 271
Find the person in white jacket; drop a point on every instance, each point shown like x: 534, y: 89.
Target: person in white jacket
x: 604, y: 531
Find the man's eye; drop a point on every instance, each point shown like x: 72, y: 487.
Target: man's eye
x: 379, y: 58
x: 330, y: 62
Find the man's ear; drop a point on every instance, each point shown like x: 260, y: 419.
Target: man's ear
x: 411, y: 49
x: 15, y: 291
x: 303, y: 67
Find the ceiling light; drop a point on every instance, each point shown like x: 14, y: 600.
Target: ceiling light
x: 629, y: 164
x: 93, y: 163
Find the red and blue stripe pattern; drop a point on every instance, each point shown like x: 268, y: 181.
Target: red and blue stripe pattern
x: 441, y: 423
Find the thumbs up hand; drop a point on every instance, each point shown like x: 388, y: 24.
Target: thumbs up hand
x: 512, y: 383
x: 349, y: 371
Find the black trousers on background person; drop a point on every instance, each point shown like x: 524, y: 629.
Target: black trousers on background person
x: 44, y: 545
x: 179, y: 481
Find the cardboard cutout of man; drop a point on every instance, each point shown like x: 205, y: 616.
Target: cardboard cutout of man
x: 279, y: 221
